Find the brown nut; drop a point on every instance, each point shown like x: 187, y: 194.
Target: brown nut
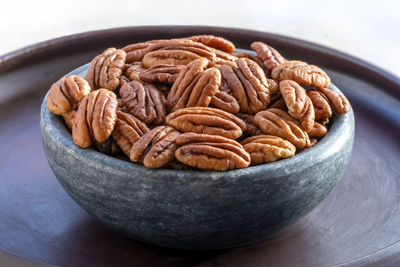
x: 277, y: 122
x: 251, y: 127
x: 66, y: 95
x: 211, y: 152
x: 161, y: 73
x: 128, y: 129
x: 301, y: 73
x: 155, y: 148
x: 243, y: 54
x: 322, y: 108
x: 214, y: 42
x: 223, y: 58
x: 69, y: 118
x: 225, y: 101
x: 144, y: 101
x: 248, y: 85
x: 298, y: 103
x: 175, y: 44
x: 194, y: 87
x: 207, y: 121
x: 105, y: 70
x: 269, y: 56
x: 338, y: 103
x: 318, y: 130
x: 133, y: 71
x: 295, y: 98
x: 168, y: 57
x: 267, y: 148
x: 135, y: 52
x: 95, y: 118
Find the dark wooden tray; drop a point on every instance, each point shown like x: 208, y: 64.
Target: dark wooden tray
x: 358, y: 224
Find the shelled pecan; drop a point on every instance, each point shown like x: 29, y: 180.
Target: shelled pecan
x: 207, y: 121
x: 128, y: 129
x: 321, y: 105
x: 211, y: 152
x: 318, y: 130
x: 301, y: 73
x: 194, y: 87
x: 278, y: 123
x: 268, y: 55
x: 248, y: 85
x: 195, y: 48
x: 155, y: 148
x: 105, y: 70
x: 225, y: 101
x: 144, y: 101
x: 95, y: 118
x: 338, y: 103
x: 214, y: 42
x: 69, y: 118
x: 134, y: 70
x: 298, y: 103
x: 161, y: 73
x: 66, y: 95
x: 267, y: 148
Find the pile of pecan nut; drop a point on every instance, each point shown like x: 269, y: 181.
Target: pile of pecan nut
x: 194, y: 102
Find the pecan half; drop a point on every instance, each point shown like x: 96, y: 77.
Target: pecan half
x: 168, y: 57
x: 206, y: 120
x: 302, y: 73
x: 243, y: 54
x: 134, y: 70
x: 298, y: 103
x: 214, y: 42
x: 211, y: 152
x: 155, y: 148
x: 251, y: 126
x: 69, y: 118
x: 176, y: 44
x: 322, y: 108
x: 105, y: 70
x: 144, y: 101
x: 225, y: 101
x: 161, y: 73
x: 66, y: 95
x: 223, y: 58
x: 128, y: 130
x: 248, y: 85
x: 318, y: 130
x: 277, y: 122
x: 269, y: 56
x: 338, y: 103
x: 194, y: 87
x: 267, y: 148
x: 95, y: 118
x: 135, y: 52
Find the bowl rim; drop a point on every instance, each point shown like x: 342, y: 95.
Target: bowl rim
x: 334, y: 140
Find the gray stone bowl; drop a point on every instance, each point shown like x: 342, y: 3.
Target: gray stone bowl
x: 197, y: 209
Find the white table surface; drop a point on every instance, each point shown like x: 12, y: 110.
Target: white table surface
x: 367, y: 29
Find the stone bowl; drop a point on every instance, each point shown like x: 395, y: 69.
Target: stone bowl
x: 197, y: 209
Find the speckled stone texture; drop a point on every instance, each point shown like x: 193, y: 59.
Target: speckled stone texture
x: 197, y: 209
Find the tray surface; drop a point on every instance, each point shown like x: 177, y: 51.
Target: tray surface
x: 357, y: 224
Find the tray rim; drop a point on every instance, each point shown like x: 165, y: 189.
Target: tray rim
x: 360, y: 68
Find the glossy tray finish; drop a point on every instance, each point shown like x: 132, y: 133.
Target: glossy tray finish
x: 357, y: 224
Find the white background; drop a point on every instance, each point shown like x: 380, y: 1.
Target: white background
x: 367, y: 29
